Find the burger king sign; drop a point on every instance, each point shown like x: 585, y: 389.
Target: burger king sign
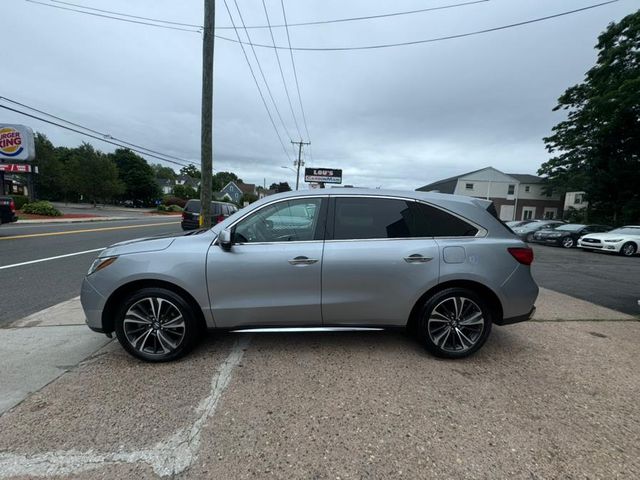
x: 16, y: 143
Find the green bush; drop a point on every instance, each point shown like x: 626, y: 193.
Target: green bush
x: 42, y: 208
x: 170, y: 200
x: 20, y: 201
x: 162, y: 208
x: 174, y: 208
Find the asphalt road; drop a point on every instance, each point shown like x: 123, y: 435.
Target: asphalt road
x: 604, y: 279
x: 25, y: 289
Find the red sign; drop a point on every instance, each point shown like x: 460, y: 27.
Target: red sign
x: 15, y: 168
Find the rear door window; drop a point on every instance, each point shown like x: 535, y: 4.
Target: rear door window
x: 371, y: 218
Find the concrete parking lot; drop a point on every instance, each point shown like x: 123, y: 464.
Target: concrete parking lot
x: 544, y: 399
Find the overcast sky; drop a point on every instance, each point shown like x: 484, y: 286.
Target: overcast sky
x: 397, y: 118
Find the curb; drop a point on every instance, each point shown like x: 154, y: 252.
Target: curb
x: 82, y: 220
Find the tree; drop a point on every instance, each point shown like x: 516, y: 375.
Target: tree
x: 51, y: 169
x: 597, y: 148
x: 280, y: 187
x: 185, y: 192
x: 221, y: 179
x: 97, y: 174
x: 191, y: 171
x: 161, y: 171
x: 136, y: 174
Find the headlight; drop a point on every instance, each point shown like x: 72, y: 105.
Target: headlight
x: 100, y: 263
x: 616, y: 240
x: 555, y: 235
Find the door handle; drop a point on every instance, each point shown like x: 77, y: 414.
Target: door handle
x: 302, y: 260
x: 417, y: 258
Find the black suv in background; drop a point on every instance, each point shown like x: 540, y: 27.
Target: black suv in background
x: 191, y: 213
x: 7, y: 210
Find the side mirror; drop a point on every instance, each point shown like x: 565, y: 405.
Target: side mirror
x: 224, y: 240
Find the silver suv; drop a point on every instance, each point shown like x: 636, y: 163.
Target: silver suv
x: 442, y: 265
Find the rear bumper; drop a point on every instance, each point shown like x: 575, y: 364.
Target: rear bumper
x: 518, y: 319
x: 189, y: 224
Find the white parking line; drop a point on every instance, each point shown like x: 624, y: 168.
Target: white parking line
x: 168, y: 457
x: 30, y: 262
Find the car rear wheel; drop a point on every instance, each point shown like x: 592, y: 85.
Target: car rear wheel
x: 454, y: 323
x: 568, y: 242
x: 156, y: 325
x: 628, y: 249
x: 529, y: 238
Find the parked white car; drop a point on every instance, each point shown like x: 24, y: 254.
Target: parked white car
x: 624, y: 240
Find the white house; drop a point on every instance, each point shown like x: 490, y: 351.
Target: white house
x: 516, y: 196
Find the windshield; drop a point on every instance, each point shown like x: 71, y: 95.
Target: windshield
x: 574, y: 227
x: 530, y: 227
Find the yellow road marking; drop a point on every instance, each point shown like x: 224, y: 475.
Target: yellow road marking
x: 69, y: 232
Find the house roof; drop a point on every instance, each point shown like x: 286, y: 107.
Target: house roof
x: 164, y: 182
x: 526, y: 178
x: 247, y: 187
x: 448, y: 185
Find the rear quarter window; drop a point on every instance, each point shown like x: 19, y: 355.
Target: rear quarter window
x: 434, y: 222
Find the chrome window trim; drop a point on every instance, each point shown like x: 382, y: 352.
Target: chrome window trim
x: 482, y: 232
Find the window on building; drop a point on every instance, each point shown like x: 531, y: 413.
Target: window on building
x: 469, y: 186
x: 577, y: 199
x: 511, y: 190
x: 527, y: 188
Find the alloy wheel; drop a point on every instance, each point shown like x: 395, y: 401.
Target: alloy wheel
x: 455, y: 324
x: 628, y: 249
x: 154, y: 326
x: 567, y: 242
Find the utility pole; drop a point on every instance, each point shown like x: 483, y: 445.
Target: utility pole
x: 206, y: 140
x: 299, y: 161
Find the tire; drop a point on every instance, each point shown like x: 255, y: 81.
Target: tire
x: 529, y: 238
x: 437, y: 323
x: 568, y: 242
x: 628, y: 249
x: 156, y: 325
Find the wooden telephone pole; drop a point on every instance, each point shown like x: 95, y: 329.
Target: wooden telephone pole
x: 206, y: 134
x: 299, y: 161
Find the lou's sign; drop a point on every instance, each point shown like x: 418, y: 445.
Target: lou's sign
x: 16, y: 143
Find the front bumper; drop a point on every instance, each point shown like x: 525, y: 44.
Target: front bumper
x: 548, y: 240
x: 93, y: 305
x: 602, y: 246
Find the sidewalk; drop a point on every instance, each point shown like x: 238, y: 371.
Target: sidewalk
x: 74, y: 220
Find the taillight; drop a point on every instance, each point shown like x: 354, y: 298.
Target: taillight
x: 219, y: 218
x: 524, y: 255
x: 12, y: 206
x: 184, y: 215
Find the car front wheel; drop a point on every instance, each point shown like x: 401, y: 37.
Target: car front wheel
x: 568, y: 242
x: 156, y: 325
x: 454, y: 323
x: 628, y: 249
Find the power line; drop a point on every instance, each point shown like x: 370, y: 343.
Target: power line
x: 106, y: 135
x: 264, y: 78
x: 102, y: 139
x: 428, y: 40
x: 295, y: 73
x: 115, y: 18
x: 129, y: 15
x: 284, y: 82
x: 264, y: 102
x: 299, y: 24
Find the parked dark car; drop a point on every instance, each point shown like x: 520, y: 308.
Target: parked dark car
x: 567, y: 235
x: 191, y: 213
x: 7, y: 210
x: 526, y: 232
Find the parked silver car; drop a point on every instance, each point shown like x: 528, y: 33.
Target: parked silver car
x: 442, y: 265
